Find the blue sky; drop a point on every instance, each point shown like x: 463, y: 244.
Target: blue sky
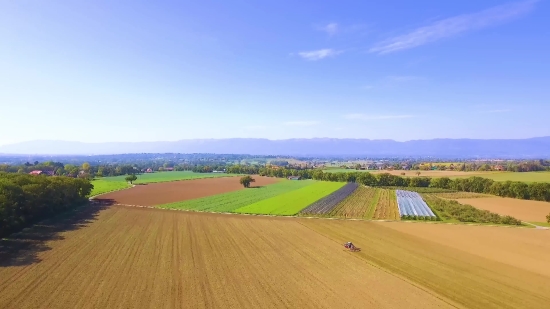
x: 98, y: 71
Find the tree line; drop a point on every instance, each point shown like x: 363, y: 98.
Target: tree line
x: 513, y: 189
x: 26, y: 199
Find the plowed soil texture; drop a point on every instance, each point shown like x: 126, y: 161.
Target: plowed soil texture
x: 127, y: 257
x: 531, y: 211
x: 169, y: 192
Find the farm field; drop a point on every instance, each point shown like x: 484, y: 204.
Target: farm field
x: 485, y: 274
x: 167, y: 176
x: 227, y: 202
x: 107, y: 184
x: 154, y: 194
x: 152, y: 258
x: 292, y: 202
x: 360, y: 205
x: 526, y: 210
x: 460, y: 194
x: 527, y: 177
x: 386, y: 208
x: 327, y: 203
x: 101, y: 186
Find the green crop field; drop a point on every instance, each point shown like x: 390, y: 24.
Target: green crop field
x: 292, y: 202
x: 227, y: 202
x: 168, y: 176
x: 101, y: 186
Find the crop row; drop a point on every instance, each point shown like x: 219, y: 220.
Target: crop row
x: 360, y: 204
x: 327, y: 204
x: 291, y: 203
x: 412, y: 204
x: 387, y: 206
x: 227, y: 202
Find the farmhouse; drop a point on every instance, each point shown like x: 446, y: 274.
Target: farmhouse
x: 36, y: 172
x: 294, y: 178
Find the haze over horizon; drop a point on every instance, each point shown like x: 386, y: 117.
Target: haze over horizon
x: 168, y: 71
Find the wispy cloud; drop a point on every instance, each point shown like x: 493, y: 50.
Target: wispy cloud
x: 331, y: 28
x: 303, y: 123
x: 453, y: 26
x: 319, y: 54
x: 357, y: 116
x: 496, y: 111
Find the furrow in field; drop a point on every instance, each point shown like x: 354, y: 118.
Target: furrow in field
x: 148, y: 258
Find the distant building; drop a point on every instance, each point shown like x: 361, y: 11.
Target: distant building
x: 294, y: 178
x: 168, y: 169
x: 35, y: 172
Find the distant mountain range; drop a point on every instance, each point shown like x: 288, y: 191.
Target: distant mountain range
x: 452, y: 148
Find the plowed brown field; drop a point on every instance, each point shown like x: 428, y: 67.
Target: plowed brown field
x: 146, y: 258
x: 525, y: 210
x: 169, y: 192
x: 476, y: 266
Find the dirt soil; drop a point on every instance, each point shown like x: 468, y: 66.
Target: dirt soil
x: 525, y: 210
x: 531, y: 247
x: 475, y: 266
x: 127, y: 257
x: 169, y: 192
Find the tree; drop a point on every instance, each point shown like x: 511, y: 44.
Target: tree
x: 131, y: 178
x: 417, y: 173
x: 548, y: 218
x: 86, y: 167
x: 246, y: 180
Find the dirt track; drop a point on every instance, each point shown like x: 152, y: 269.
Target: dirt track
x: 169, y: 192
x: 533, y: 211
x: 147, y: 258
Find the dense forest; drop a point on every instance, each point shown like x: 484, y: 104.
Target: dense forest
x: 26, y: 199
x: 513, y: 189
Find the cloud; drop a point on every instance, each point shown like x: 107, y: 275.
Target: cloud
x: 303, y: 123
x: 331, y: 29
x: 357, y: 116
x: 453, y: 26
x: 496, y: 111
x: 319, y: 54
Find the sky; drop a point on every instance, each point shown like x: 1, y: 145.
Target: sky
x: 105, y: 71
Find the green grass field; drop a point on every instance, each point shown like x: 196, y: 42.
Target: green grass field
x: 292, y: 202
x: 227, y: 202
x: 102, y: 186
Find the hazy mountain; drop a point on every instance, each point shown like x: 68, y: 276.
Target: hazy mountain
x: 533, y: 147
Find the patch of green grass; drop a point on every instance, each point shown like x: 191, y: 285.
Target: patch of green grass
x: 546, y: 224
x: 101, y: 186
x: 227, y: 202
x: 167, y: 176
x: 292, y: 202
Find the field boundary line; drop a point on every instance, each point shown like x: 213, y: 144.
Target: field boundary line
x: 325, y: 218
